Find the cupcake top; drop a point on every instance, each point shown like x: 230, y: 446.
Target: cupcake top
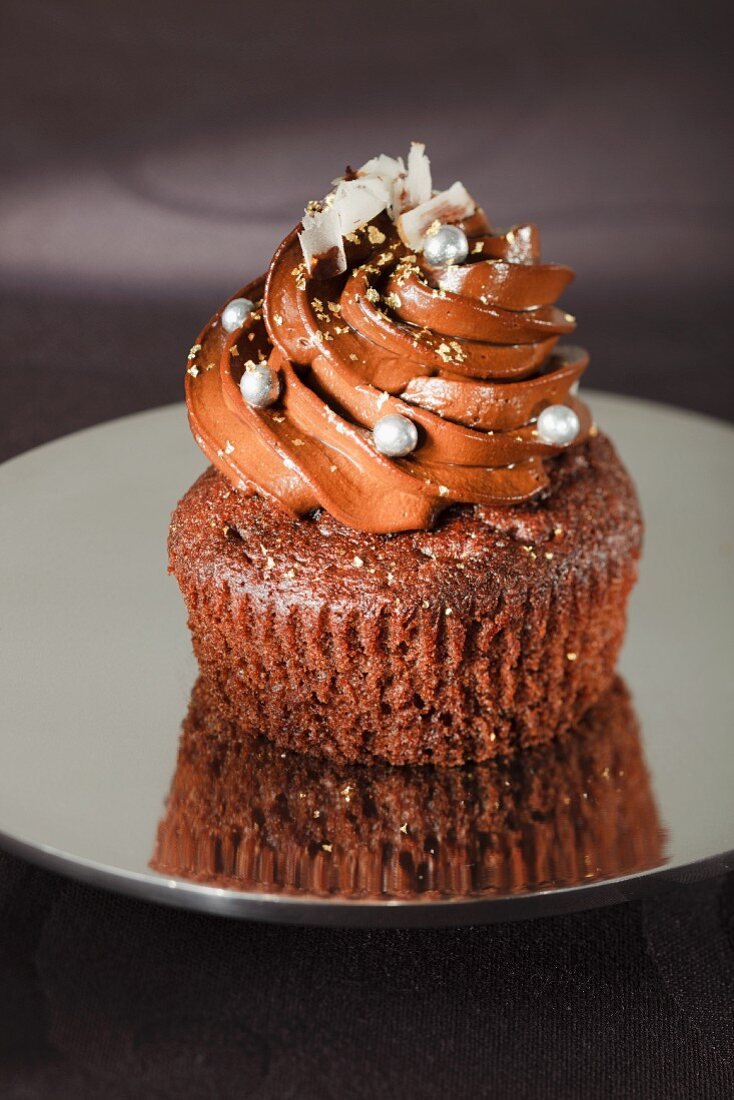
x: 400, y: 356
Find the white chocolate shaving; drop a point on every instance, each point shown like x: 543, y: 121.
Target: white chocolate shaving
x: 385, y: 168
x: 322, y: 233
x: 391, y: 170
x: 418, y: 181
x: 382, y: 183
x: 359, y: 201
x: 446, y: 206
x: 413, y: 187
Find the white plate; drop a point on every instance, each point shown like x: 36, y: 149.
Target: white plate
x: 97, y: 669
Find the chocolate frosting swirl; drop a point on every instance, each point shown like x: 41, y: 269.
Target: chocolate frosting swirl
x: 468, y: 353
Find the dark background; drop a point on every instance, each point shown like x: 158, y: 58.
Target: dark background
x: 152, y: 156
x: 155, y: 152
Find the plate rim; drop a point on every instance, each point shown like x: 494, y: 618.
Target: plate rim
x: 339, y: 912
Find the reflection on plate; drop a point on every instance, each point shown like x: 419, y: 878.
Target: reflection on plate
x: 87, y: 748
x: 245, y: 815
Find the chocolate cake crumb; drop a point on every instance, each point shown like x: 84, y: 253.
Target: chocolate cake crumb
x: 424, y: 663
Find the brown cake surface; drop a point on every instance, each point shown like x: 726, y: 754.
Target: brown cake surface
x: 243, y: 814
x: 493, y: 631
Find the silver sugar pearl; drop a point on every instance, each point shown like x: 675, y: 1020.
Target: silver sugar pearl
x: 235, y: 313
x: 395, y: 436
x: 558, y: 425
x: 448, y: 245
x: 259, y: 386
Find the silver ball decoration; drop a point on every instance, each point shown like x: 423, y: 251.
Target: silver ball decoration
x: 235, y: 313
x: 395, y: 436
x: 558, y: 425
x: 259, y: 386
x: 448, y: 245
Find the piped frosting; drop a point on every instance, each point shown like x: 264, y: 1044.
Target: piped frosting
x: 469, y: 353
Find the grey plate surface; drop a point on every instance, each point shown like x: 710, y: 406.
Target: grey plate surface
x: 96, y: 669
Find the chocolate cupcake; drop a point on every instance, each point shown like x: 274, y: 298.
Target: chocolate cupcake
x: 243, y: 814
x: 414, y: 545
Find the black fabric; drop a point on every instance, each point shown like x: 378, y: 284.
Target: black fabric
x: 153, y: 154
x: 106, y: 996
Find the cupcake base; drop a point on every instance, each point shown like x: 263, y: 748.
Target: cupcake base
x: 491, y: 633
